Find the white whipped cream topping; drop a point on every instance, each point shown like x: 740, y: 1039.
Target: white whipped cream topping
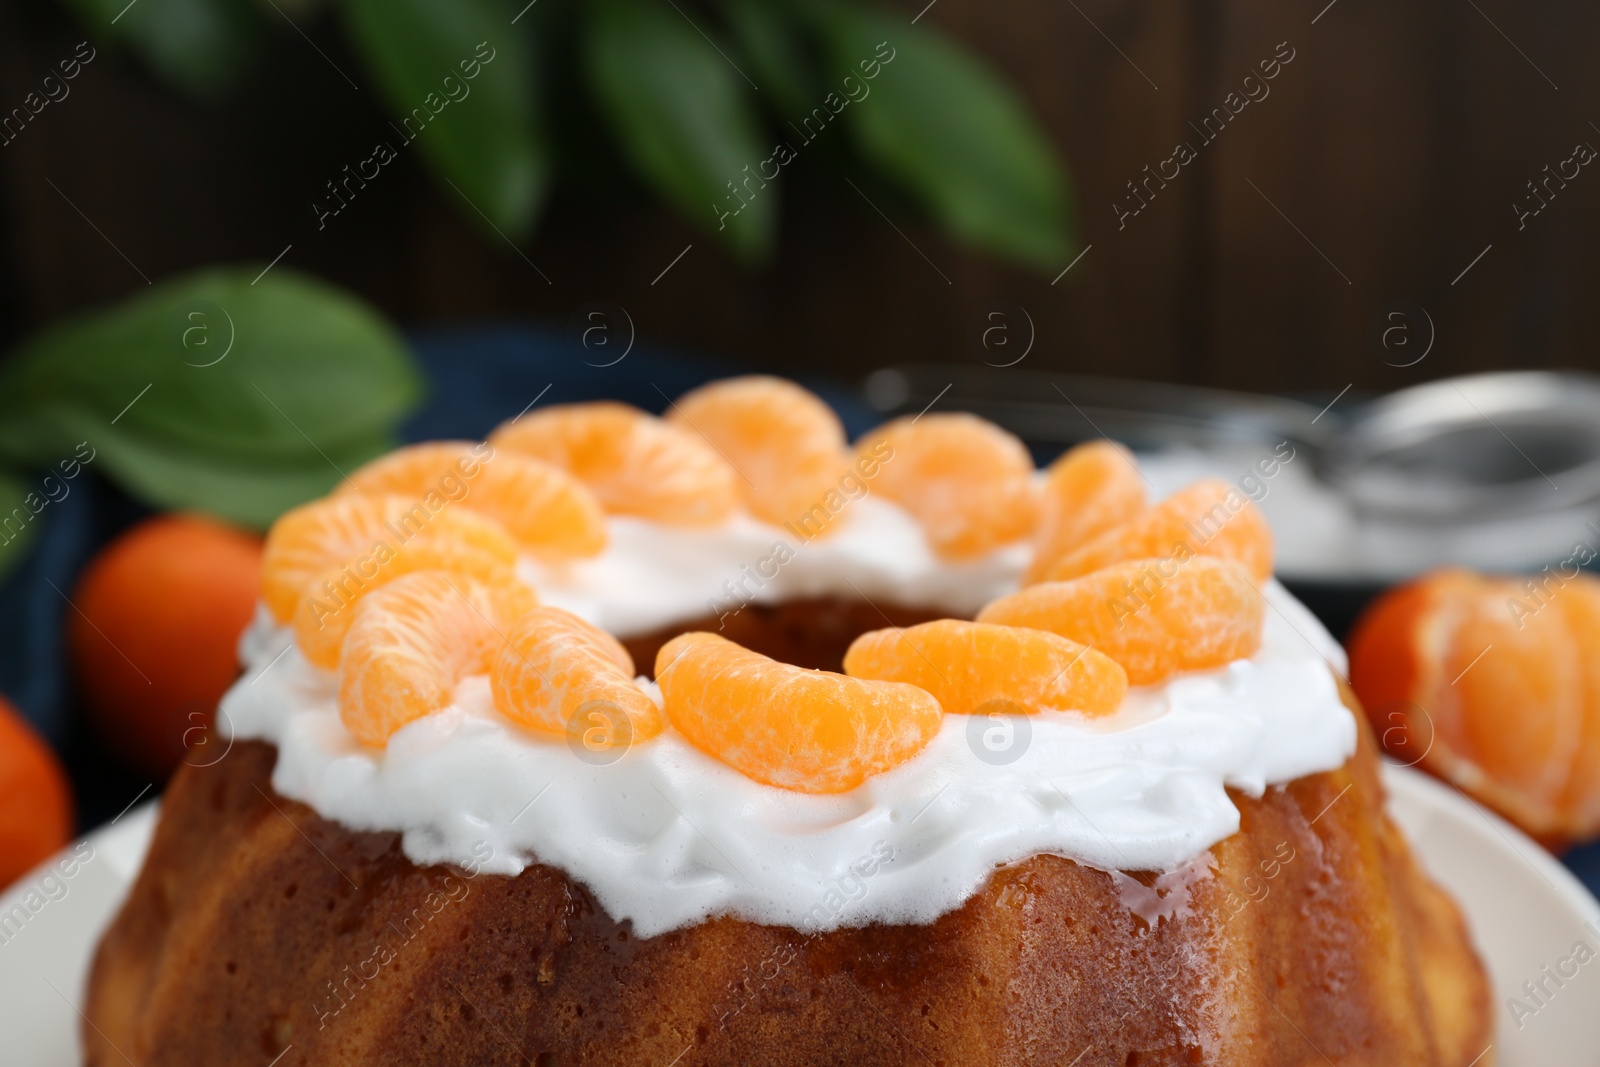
x: 667, y: 837
x: 653, y: 576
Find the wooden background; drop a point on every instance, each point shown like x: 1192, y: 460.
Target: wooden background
x: 1386, y: 158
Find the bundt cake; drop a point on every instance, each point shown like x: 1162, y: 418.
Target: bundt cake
x: 709, y: 740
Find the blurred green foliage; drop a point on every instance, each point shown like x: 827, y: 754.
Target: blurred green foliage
x: 211, y: 392
x: 700, y: 99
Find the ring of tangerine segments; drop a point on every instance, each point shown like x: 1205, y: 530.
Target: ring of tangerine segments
x: 967, y: 482
x: 786, y: 726
x: 973, y: 666
x: 1156, y: 617
x: 633, y: 462
x: 325, y: 613
x: 412, y: 642
x: 552, y: 670
x: 786, y: 444
x: 306, y: 541
x: 1088, y: 490
x: 1209, y: 518
x: 545, y: 508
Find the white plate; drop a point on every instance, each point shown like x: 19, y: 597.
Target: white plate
x: 1526, y: 910
x: 45, y: 965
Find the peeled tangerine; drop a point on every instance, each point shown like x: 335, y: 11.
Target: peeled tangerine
x: 787, y: 446
x: 309, y: 539
x: 1209, y: 518
x: 1493, y: 684
x: 635, y: 463
x: 966, y: 665
x: 413, y: 641
x: 558, y: 674
x: 1090, y: 489
x: 546, y: 509
x: 1155, y: 617
x: 968, y: 482
x: 785, y: 726
x: 329, y: 606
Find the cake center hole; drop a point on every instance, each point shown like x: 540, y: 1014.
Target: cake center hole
x: 813, y: 632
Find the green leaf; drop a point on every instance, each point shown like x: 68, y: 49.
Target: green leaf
x: 199, y: 47
x: 685, y: 122
x: 18, y: 522
x: 947, y: 128
x: 459, y: 79
x: 171, y: 475
x: 774, y: 44
x: 274, y: 368
x: 213, y: 392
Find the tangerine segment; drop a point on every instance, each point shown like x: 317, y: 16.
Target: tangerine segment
x: 635, y: 463
x: 329, y: 607
x: 1527, y: 668
x: 413, y: 640
x: 309, y: 539
x: 965, y: 480
x: 968, y: 664
x: 785, y: 726
x: 1209, y: 518
x: 1087, y: 491
x: 1156, y: 617
x: 783, y: 440
x: 1393, y: 658
x: 558, y: 674
x: 443, y: 467
x: 544, y: 507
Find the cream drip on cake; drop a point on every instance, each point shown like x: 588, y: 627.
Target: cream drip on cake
x: 666, y: 836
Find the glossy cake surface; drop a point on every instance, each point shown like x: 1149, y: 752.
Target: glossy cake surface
x: 258, y: 927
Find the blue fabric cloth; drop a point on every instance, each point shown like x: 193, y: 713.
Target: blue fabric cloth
x: 479, y: 377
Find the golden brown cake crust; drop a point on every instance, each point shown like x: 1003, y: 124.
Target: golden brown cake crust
x: 1310, y: 937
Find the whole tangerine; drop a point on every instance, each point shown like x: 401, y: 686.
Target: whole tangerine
x: 1493, y: 684
x: 154, y: 633
x: 35, y: 802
